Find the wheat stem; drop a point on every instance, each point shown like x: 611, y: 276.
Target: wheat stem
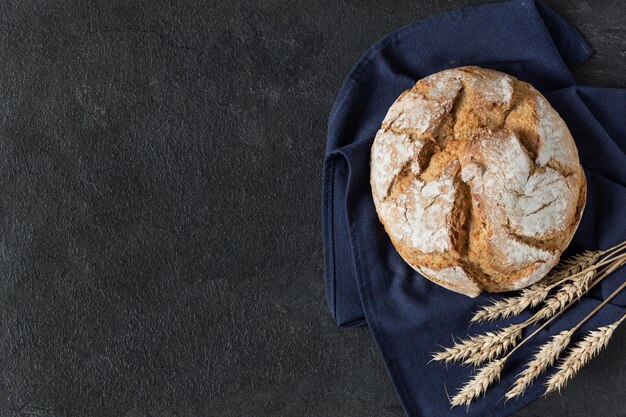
x: 550, y: 351
x: 490, y: 373
x: 603, y: 262
x: 599, y: 306
x: 608, y: 270
x: 570, y: 270
x: 613, y: 250
x: 568, y: 292
x: 484, y: 347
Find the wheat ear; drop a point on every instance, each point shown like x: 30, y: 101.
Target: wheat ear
x: 566, y: 295
x: 544, y: 358
x: 569, y: 268
x: 533, y: 295
x: 580, y: 355
x: 481, y: 348
x: 551, y: 351
x: 491, y: 372
x: 569, y: 292
x: 575, y: 264
x: 512, y: 306
x: 472, y: 389
x: 479, y: 383
x: 587, y: 348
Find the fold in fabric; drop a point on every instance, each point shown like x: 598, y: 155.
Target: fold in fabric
x: 366, y: 280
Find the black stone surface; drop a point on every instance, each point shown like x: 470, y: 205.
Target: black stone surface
x: 160, y: 232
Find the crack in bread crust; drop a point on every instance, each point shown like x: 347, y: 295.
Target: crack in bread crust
x: 477, y: 180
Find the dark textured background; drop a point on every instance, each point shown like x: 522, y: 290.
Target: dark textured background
x: 160, y: 232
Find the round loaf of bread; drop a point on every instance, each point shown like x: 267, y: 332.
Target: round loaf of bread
x: 477, y: 180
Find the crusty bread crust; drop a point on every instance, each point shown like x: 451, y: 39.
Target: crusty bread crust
x: 477, y: 180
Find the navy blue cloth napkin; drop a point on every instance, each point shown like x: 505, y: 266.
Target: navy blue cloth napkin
x: 366, y: 280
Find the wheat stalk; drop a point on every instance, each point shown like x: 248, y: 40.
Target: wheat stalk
x: 533, y: 295
x: 544, y: 358
x: 479, y: 383
x: 580, y: 355
x: 553, y: 349
x: 491, y: 372
x: 575, y: 264
x: 608, y: 259
x: 569, y: 292
x: 481, y: 348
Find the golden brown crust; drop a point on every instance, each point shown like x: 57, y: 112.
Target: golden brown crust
x: 477, y: 180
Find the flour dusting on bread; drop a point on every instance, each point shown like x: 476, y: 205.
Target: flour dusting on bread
x: 551, y: 129
x: 454, y: 275
x: 392, y: 152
